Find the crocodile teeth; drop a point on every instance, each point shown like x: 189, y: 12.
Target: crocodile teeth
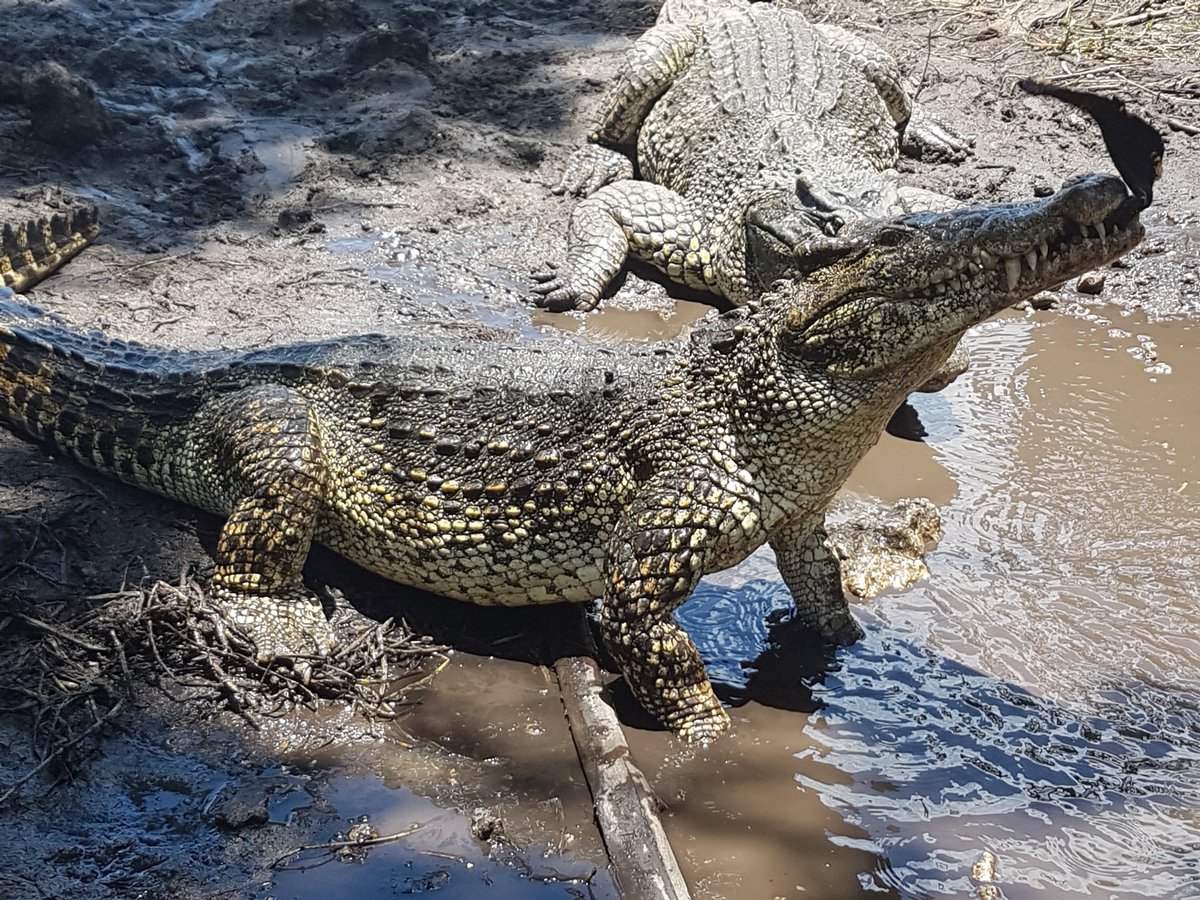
x: 1101, y: 233
x: 1012, y: 271
x: 1044, y: 250
x: 1031, y: 258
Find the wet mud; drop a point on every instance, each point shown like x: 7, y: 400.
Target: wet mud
x: 277, y: 171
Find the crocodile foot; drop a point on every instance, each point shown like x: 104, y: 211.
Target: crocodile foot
x: 704, y: 730
x: 925, y: 137
x: 557, y: 292
x: 288, y: 626
x: 590, y: 168
x: 698, y: 720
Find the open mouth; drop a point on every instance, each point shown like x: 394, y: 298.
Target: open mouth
x: 1078, y: 246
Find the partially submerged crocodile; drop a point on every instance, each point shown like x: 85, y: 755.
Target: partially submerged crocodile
x: 756, y: 134
x: 33, y: 249
x: 506, y: 473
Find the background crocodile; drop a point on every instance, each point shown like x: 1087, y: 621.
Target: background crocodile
x: 34, y: 245
x: 757, y: 133
x: 508, y: 474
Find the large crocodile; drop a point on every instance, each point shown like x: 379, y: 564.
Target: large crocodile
x: 516, y: 473
x: 751, y: 127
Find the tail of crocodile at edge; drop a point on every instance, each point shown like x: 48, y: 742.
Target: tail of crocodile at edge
x: 103, y: 402
x: 30, y: 251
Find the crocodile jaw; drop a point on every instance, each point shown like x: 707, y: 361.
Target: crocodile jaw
x: 1013, y: 251
x: 916, y: 282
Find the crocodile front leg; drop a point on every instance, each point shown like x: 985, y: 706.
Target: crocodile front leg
x: 814, y: 577
x: 654, y: 565
x: 267, y: 440
x: 647, y: 221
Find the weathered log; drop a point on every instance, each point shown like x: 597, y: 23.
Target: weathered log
x: 627, y: 809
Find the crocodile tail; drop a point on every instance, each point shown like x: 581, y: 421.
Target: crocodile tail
x: 103, y: 402
x: 32, y: 250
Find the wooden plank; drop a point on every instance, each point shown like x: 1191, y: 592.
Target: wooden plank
x: 627, y: 809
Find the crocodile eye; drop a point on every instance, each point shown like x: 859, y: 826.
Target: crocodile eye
x: 890, y: 237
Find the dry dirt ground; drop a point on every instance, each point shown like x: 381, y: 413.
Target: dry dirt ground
x: 269, y: 171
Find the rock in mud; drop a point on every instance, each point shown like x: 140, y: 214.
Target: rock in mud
x: 63, y: 108
x: 886, y: 548
x: 242, y: 807
x: 382, y: 43
x: 1091, y: 283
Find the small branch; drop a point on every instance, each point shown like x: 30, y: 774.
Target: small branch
x: 59, y: 633
x: 1181, y: 125
x: 61, y: 749
x: 1138, y: 19
x: 349, y: 845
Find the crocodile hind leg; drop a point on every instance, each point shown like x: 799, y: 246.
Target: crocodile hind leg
x: 268, y: 439
x: 923, y: 135
x: 647, y: 221
x: 813, y: 575
x: 654, y: 61
x: 653, y: 566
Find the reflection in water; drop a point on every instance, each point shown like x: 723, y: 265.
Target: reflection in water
x: 1039, y: 697
x: 945, y: 762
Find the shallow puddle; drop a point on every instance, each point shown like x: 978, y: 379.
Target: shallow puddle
x: 438, y: 853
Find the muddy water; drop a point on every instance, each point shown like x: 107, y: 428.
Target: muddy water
x: 1039, y: 698
x: 490, y: 745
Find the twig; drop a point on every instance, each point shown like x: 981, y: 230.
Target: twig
x: 121, y: 658
x: 61, y: 749
x: 59, y: 633
x: 349, y: 845
x: 1180, y: 125
x: 1147, y: 16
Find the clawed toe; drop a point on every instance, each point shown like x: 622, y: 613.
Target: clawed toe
x: 703, y: 730
x: 553, y: 293
x: 289, y: 628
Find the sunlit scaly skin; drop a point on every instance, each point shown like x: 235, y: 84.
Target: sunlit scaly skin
x: 500, y: 473
x: 739, y: 112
